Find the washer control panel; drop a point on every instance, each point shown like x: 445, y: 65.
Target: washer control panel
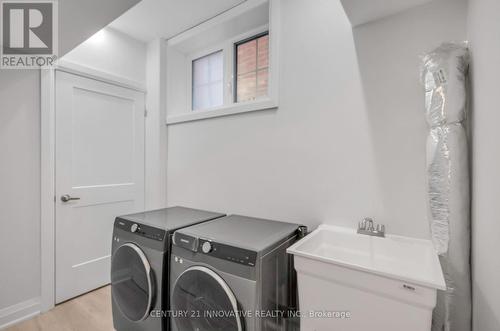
x: 227, y: 252
x: 215, y: 249
x: 140, y: 229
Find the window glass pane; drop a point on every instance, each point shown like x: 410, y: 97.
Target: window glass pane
x: 247, y: 60
x: 216, y: 94
x: 246, y: 86
x: 200, y: 71
x: 262, y: 76
x: 263, y: 52
x: 201, y: 97
x: 208, y: 81
x: 215, y: 67
x: 252, y: 62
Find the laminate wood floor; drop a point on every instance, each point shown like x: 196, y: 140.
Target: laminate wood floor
x: 89, y: 312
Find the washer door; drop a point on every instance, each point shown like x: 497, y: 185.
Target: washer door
x: 132, y: 282
x: 201, y: 300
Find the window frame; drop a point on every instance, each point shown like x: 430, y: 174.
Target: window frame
x: 228, y: 48
x: 189, y: 74
x: 235, y: 64
x: 183, y: 49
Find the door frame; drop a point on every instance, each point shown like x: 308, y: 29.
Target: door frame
x: 47, y: 162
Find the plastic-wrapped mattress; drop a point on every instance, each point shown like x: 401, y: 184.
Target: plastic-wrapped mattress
x: 444, y: 74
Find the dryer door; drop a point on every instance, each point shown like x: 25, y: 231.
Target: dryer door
x: 201, y: 300
x: 132, y: 286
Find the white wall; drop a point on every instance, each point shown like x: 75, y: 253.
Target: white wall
x: 309, y: 161
x: 20, y: 162
x: 389, y: 53
x: 19, y: 187
x: 484, y: 25
x: 326, y: 155
x: 112, y: 52
x: 156, y: 131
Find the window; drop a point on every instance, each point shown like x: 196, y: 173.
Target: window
x: 225, y: 66
x: 207, y: 81
x: 252, y: 68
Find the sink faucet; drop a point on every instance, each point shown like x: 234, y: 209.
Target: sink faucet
x: 369, y: 227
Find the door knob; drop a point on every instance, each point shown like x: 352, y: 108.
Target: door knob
x: 67, y: 197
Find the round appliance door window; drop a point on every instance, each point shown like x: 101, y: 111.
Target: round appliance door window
x: 131, y: 282
x: 201, y: 300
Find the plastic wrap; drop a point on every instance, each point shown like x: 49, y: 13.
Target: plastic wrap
x: 444, y: 73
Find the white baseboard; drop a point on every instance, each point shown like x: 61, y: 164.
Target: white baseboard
x: 19, y: 312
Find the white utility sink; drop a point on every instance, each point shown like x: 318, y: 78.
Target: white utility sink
x: 372, y: 283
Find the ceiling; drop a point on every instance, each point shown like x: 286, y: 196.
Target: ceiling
x: 363, y: 11
x: 78, y: 20
x: 152, y: 19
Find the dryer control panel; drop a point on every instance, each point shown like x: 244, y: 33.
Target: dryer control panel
x: 140, y: 229
x: 227, y: 252
x: 215, y: 249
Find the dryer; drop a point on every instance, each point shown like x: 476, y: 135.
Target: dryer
x: 234, y: 274
x: 140, y: 265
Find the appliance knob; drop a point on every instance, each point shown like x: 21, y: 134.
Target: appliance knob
x: 206, y: 247
x: 134, y: 227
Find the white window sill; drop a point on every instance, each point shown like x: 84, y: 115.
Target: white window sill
x: 233, y: 109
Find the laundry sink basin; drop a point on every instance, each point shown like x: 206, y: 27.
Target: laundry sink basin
x: 403, y: 258
x: 382, y: 283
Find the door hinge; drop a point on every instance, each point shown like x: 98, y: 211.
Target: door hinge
x: 145, y: 112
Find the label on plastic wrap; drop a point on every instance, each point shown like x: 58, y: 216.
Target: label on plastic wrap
x: 440, y: 77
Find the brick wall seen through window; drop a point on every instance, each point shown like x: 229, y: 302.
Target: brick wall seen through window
x: 252, y: 68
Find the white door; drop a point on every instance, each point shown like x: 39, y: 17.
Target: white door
x: 99, y: 171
